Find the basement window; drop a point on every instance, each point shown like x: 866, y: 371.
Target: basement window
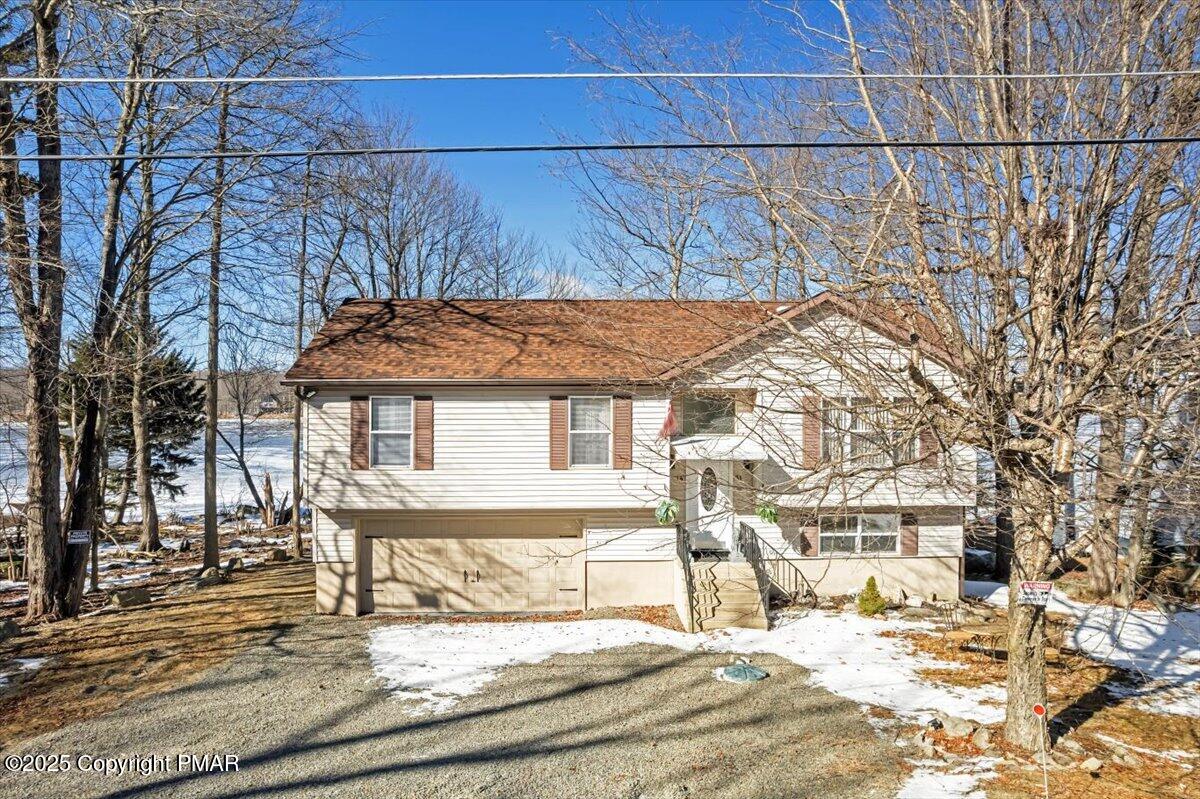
x: 860, y: 534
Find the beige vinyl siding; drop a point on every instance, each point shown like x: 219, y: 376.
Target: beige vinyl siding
x: 491, y: 448
x: 939, y: 531
x: 628, y: 538
x: 333, y: 537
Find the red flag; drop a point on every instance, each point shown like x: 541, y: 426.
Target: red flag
x: 669, y: 426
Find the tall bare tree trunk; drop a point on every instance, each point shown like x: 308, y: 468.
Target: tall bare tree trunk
x: 1034, y: 518
x: 1106, y: 527
x: 143, y: 327
x: 1002, y: 568
x: 39, y: 307
x: 297, y: 404
x: 212, y: 543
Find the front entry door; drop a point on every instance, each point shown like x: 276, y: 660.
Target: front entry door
x: 710, y: 504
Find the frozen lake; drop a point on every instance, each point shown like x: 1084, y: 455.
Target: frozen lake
x: 268, y: 447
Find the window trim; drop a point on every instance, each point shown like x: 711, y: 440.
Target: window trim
x: 858, y: 535
x: 371, y: 431
x: 608, y: 464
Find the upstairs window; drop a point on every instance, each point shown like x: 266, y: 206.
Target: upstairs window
x: 707, y: 414
x: 391, y: 431
x: 856, y: 428
x: 589, y: 431
x: 860, y: 534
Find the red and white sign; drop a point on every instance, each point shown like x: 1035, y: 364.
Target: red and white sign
x: 1034, y: 593
x: 1039, y: 710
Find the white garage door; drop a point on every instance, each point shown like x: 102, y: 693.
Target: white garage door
x: 491, y: 564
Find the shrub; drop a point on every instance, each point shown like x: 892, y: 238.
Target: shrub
x: 870, y: 601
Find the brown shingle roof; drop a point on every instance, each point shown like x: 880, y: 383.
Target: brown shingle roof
x: 550, y: 340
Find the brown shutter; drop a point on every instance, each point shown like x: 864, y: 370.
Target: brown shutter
x: 423, y: 433
x: 360, y: 435
x: 558, y: 432
x: 909, y: 534
x: 810, y: 538
x: 810, y: 407
x: 622, y: 432
x: 927, y: 449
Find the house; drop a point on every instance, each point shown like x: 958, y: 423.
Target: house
x: 538, y: 455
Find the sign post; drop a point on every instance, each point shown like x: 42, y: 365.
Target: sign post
x: 79, y: 537
x: 1039, y: 710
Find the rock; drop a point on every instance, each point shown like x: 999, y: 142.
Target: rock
x: 1129, y: 760
x: 850, y: 607
x: 278, y: 555
x: 956, y: 727
x: 235, y: 565
x: 236, y: 543
x: 1062, y: 759
x: 982, y: 738
x: 1072, y: 746
x: 919, y: 613
x: 185, y: 545
x: 8, y: 628
x: 210, y: 576
x: 130, y: 597
x: 913, y: 602
x: 1092, y: 765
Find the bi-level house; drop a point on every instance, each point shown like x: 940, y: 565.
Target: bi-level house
x: 539, y: 455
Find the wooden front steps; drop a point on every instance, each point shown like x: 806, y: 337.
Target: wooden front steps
x: 727, y: 596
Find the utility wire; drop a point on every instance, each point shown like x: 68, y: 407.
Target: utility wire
x: 613, y: 147
x: 816, y: 76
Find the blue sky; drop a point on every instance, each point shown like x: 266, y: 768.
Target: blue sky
x: 428, y: 37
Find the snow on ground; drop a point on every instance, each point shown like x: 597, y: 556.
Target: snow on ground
x: 437, y: 664
x: 1164, y: 650
x: 930, y: 780
x: 19, y: 665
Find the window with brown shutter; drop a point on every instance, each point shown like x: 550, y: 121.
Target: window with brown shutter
x: 622, y: 410
x: 423, y: 433
x: 359, y: 433
x: 558, y: 433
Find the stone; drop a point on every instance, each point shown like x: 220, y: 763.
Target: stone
x: 919, y: 613
x: 850, y: 607
x: 1062, y: 759
x: 1092, y: 765
x: 235, y: 564
x: 956, y: 727
x: 210, y: 576
x: 982, y: 738
x: 1071, y: 745
x: 1129, y: 759
x: 913, y: 602
x: 278, y: 555
x: 130, y: 597
x: 8, y: 628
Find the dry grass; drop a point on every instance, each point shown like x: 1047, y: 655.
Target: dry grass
x: 98, y: 664
x: 1080, y: 700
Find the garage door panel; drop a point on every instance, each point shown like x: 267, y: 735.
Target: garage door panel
x: 460, y: 565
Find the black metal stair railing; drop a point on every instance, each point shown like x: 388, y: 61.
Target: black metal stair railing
x: 683, y: 551
x: 773, y: 570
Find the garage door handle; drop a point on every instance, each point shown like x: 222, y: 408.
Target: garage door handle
x: 465, y: 578
x: 477, y: 575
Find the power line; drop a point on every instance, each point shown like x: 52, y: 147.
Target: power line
x: 81, y: 80
x: 612, y: 147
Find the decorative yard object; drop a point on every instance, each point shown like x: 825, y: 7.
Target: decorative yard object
x: 741, y: 672
x: 768, y: 512
x: 870, y: 601
x: 667, y: 512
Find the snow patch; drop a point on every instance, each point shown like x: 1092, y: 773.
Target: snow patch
x: 22, y: 665
x: 928, y: 780
x: 1163, y: 650
x: 435, y: 665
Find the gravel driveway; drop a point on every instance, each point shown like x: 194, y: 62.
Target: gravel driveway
x: 306, y: 717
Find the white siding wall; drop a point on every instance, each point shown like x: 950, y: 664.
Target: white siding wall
x: 333, y: 537
x: 491, y: 452
x: 939, y: 533
x: 628, y: 538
